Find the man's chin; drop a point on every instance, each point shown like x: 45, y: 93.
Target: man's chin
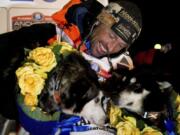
x: 97, y: 54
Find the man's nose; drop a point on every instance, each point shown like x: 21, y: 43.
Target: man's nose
x: 110, y: 45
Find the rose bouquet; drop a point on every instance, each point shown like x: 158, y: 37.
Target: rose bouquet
x: 32, y: 75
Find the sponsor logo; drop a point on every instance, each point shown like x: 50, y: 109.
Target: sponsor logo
x: 27, y: 20
x: 37, y: 16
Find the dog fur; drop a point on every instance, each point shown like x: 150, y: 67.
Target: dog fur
x: 73, y: 87
x: 138, y: 91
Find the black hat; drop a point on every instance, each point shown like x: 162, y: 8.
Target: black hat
x: 124, y: 18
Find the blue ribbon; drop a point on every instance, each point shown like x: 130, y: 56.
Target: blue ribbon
x: 169, y: 126
x: 68, y: 125
x: 38, y: 127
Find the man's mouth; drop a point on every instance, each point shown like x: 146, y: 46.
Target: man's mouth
x: 101, y: 48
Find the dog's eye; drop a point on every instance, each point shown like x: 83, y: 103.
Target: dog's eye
x: 74, y: 95
x: 97, y: 100
x: 129, y: 104
x: 138, y: 88
x: 63, y: 96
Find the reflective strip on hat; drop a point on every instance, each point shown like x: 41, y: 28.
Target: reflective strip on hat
x: 103, y: 2
x: 125, y: 30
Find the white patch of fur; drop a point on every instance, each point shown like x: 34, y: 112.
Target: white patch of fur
x: 94, y: 112
x: 136, y: 99
x: 164, y: 85
x: 133, y: 80
x: 124, y: 78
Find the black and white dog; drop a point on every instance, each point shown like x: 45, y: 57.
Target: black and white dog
x: 139, y: 92
x: 73, y: 87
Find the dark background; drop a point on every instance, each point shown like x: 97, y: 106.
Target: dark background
x: 160, y: 23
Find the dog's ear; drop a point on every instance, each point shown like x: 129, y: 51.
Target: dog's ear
x: 84, y: 88
x: 91, y: 93
x: 110, y: 86
x: 113, y: 84
x: 165, y: 87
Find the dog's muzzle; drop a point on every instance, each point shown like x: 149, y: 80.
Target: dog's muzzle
x: 105, y: 102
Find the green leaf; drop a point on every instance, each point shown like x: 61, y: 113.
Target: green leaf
x: 26, y: 51
x: 36, y: 114
x: 140, y: 124
x: 56, y: 50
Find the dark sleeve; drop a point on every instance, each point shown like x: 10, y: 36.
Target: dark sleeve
x: 26, y: 36
x: 84, y: 15
x: 14, y: 42
x: 12, y: 46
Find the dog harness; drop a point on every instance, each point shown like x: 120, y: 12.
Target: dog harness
x: 38, y: 123
x: 168, y: 122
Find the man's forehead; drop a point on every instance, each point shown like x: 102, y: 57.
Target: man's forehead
x: 106, y: 28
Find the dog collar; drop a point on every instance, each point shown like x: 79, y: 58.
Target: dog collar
x: 168, y: 122
x: 151, y: 115
x: 57, y: 97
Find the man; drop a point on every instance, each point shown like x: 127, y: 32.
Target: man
x: 106, y: 31
x: 99, y: 33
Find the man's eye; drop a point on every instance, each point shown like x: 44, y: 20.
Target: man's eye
x: 112, y: 36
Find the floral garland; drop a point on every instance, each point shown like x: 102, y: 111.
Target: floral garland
x: 41, y: 61
x: 32, y: 74
x: 128, y: 125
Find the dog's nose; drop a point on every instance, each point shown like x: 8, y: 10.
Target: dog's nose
x: 107, y: 120
x: 105, y: 102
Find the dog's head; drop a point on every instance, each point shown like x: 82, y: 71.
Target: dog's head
x: 137, y: 90
x: 140, y: 93
x: 73, y: 87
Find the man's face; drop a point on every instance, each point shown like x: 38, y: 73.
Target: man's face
x: 105, y: 41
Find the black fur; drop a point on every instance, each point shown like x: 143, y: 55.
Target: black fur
x: 156, y: 101
x: 75, y: 82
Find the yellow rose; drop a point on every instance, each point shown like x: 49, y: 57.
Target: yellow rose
x: 66, y: 48
x: 177, y: 100
x: 114, y: 114
x: 30, y: 100
x: 178, y: 128
x: 127, y: 128
x: 178, y: 108
x: 41, y: 73
x: 178, y: 119
x: 130, y: 119
x: 31, y: 83
x: 36, y: 69
x: 25, y: 69
x: 150, y: 131
x: 44, y: 57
